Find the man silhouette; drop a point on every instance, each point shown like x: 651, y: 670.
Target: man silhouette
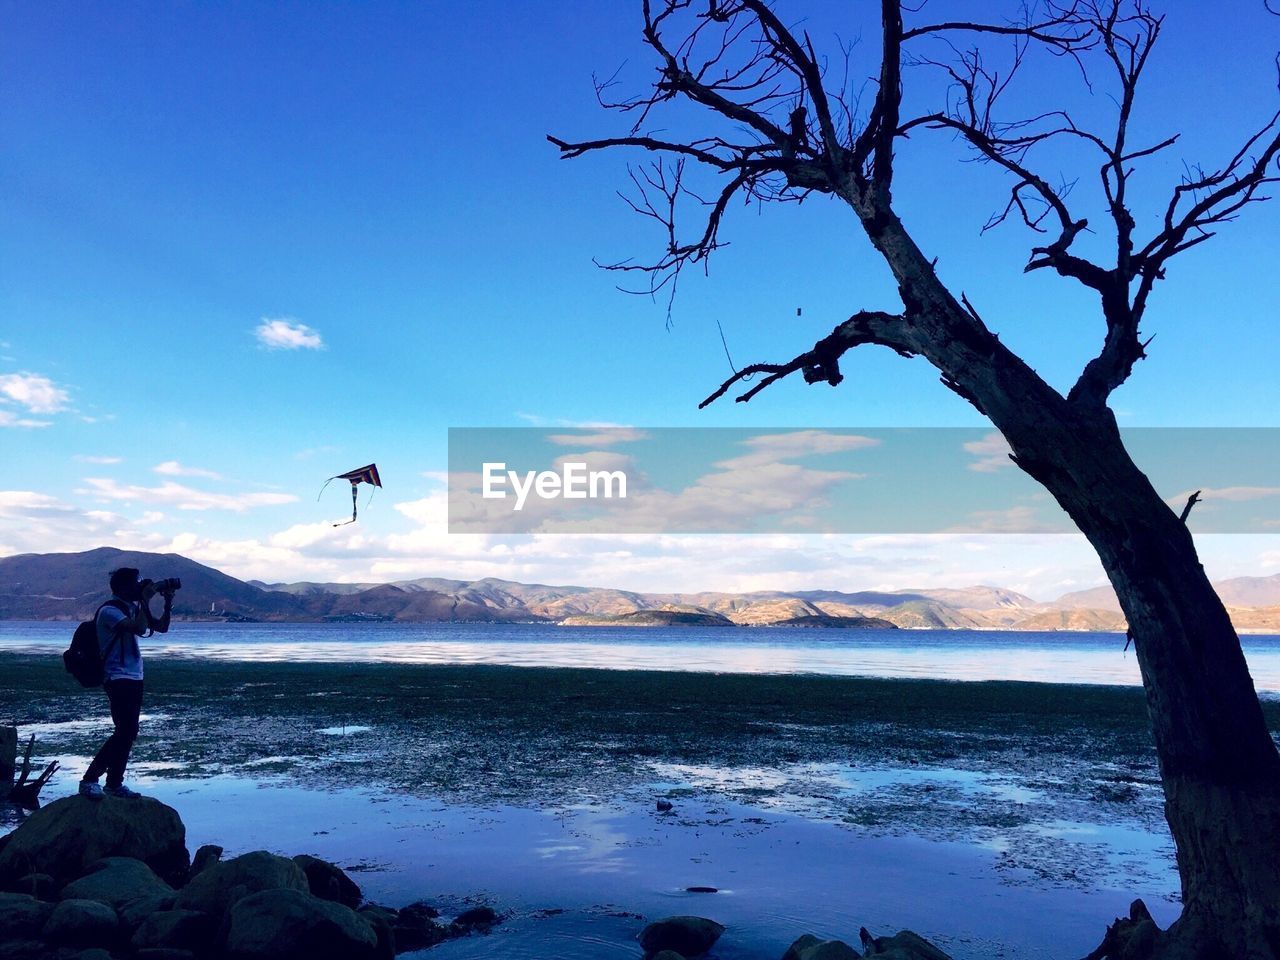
x: 119, y: 624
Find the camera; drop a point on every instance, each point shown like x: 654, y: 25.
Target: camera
x: 169, y: 585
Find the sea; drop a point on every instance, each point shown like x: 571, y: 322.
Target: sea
x: 969, y: 655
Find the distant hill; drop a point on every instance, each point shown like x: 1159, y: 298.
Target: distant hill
x: 1235, y: 592
x: 58, y: 586
x: 66, y: 586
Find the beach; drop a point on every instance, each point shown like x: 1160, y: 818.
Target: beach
x: 808, y: 801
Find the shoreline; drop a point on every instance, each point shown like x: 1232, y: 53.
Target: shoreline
x: 578, y: 622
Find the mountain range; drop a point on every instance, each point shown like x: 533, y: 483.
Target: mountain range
x: 68, y: 586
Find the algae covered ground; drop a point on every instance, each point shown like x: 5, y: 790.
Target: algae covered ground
x: 1060, y: 780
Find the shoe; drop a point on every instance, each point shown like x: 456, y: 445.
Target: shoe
x: 91, y: 790
x: 121, y: 791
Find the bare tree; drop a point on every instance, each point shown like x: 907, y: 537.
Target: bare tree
x: 784, y: 125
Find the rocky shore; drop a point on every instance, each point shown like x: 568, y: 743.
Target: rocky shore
x: 113, y: 879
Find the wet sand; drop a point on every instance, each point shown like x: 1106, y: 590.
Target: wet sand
x: 1035, y: 788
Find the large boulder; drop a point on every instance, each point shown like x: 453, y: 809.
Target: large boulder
x: 206, y: 856
x: 904, y: 945
x: 82, y: 923
x: 293, y: 925
x: 382, y: 920
x: 117, y: 881
x: 809, y: 947
x: 39, y: 885
x: 218, y: 887
x: 63, y: 838
x: 416, y: 928
x: 689, y: 936
x: 477, y: 918
x: 175, y: 929
x: 22, y: 916
x: 24, y: 950
x: 329, y: 882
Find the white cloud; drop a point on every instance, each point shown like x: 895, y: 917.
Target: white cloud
x: 283, y: 333
x: 1225, y: 494
x: 10, y: 419
x: 992, y: 453
x: 34, y: 392
x: 183, y: 498
x: 1019, y: 519
x: 770, y: 448
x: 93, y: 458
x: 605, y: 437
x: 172, y: 468
x: 33, y: 522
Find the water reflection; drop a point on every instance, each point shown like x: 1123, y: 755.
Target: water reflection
x: 1061, y: 657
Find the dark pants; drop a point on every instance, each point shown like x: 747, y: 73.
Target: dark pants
x: 125, y: 697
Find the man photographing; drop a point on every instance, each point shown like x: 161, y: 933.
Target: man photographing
x: 120, y: 622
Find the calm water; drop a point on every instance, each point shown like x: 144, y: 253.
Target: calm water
x: 943, y: 654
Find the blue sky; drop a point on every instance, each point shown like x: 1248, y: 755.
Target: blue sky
x: 175, y: 177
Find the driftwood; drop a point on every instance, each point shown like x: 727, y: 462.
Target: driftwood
x: 1130, y: 938
x: 24, y: 792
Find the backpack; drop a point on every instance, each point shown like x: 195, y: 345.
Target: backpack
x: 83, y: 659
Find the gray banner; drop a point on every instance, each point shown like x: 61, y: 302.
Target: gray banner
x: 801, y: 480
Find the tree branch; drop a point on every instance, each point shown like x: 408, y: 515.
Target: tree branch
x: 821, y: 364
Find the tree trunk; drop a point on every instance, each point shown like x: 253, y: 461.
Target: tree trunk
x: 1218, y: 762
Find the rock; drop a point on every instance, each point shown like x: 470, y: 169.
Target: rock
x: 117, y: 881
x: 382, y: 920
x: 135, y: 912
x: 82, y: 923
x: 809, y: 947
x: 904, y: 945
x: 39, y: 885
x: 477, y: 918
x: 164, y: 953
x: 378, y: 910
x: 215, y: 889
x: 421, y: 910
x: 329, y: 882
x: 93, y: 953
x: 288, y: 924
x: 415, y: 928
x: 180, y: 929
x: 24, y: 950
x: 206, y: 856
x: 21, y: 916
x: 686, y: 935
x: 63, y: 838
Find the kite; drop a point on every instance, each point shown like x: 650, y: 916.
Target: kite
x: 367, y: 474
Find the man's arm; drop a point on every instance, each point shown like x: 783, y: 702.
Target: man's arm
x: 158, y: 624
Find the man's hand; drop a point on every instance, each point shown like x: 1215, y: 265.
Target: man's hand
x: 148, y: 590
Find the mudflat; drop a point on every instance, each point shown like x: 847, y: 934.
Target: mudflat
x: 937, y: 759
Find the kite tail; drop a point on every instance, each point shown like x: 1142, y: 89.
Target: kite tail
x: 353, y: 509
x: 326, y: 483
